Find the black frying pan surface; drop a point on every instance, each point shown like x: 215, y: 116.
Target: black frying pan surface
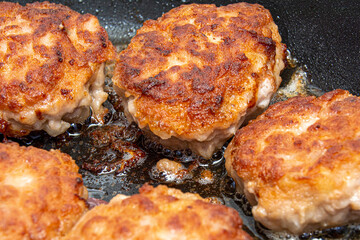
x: 322, y: 35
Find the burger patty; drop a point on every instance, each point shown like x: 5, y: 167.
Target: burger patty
x: 299, y: 163
x: 51, y: 67
x: 41, y: 193
x: 159, y: 213
x: 191, y: 77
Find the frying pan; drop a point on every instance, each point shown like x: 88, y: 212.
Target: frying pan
x: 324, y: 36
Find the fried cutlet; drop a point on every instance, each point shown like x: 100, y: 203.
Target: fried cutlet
x: 41, y: 193
x: 159, y: 213
x: 299, y: 163
x: 191, y: 77
x: 51, y: 67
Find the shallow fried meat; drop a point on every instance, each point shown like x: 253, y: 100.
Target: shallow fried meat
x: 51, y: 67
x: 299, y: 163
x: 193, y: 75
x: 41, y: 193
x: 159, y: 213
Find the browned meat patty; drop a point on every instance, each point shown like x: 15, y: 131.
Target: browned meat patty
x: 193, y: 75
x: 299, y: 162
x: 51, y: 67
x: 41, y: 193
x: 159, y: 213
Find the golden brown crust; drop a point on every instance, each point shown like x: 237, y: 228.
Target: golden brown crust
x: 41, y: 193
x: 48, y: 54
x: 159, y: 213
x: 198, y: 68
x: 300, y: 162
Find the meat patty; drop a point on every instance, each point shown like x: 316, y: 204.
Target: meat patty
x: 193, y: 75
x: 159, y: 213
x: 41, y: 193
x: 51, y: 67
x: 299, y: 163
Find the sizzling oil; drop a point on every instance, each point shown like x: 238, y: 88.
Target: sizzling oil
x: 116, y: 158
